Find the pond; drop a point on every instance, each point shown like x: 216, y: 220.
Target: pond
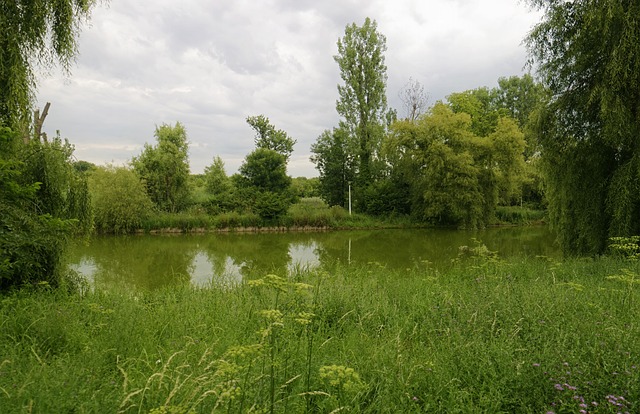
x: 153, y: 261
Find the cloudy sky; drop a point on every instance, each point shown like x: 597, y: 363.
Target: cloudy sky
x: 211, y: 63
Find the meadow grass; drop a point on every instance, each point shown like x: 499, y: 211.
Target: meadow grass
x: 486, y: 336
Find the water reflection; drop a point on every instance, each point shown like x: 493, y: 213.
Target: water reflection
x: 147, y: 262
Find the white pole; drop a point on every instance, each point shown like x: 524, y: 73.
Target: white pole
x: 349, y: 198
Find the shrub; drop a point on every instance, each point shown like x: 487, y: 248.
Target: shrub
x: 119, y: 199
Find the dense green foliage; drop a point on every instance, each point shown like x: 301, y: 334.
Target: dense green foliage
x: 362, y: 101
x: 42, y: 202
x: 264, y: 181
x: 164, y: 168
x: 450, y: 175
x: 529, y: 337
x: 588, y: 56
x: 43, y: 199
x: 34, y: 33
x: 452, y: 164
x: 268, y: 137
x: 335, y: 162
x: 120, y: 201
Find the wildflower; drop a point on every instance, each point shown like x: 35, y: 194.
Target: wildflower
x: 535, y: 364
x: 558, y: 387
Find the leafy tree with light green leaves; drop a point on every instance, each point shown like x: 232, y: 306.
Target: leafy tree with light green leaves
x: 518, y: 97
x: 221, y: 192
x: 451, y: 175
x: 588, y: 56
x: 507, y: 159
x: 478, y: 103
x: 362, y: 101
x: 521, y: 98
x: 164, y: 168
x: 34, y: 34
x: 267, y: 136
x: 215, y: 177
x: 120, y: 201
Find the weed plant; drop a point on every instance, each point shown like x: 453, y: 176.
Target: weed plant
x: 486, y: 336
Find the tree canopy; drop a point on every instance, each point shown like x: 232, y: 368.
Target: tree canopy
x: 588, y: 56
x: 164, y: 168
x: 34, y: 33
x: 362, y: 101
x: 267, y: 136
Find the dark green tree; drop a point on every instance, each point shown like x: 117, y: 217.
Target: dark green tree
x: 362, y: 101
x: 334, y: 161
x: 42, y: 202
x: 263, y: 179
x: 266, y: 170
x: 588, y: 55
x: 164, y: 168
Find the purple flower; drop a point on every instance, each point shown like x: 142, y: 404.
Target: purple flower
x: 558, y: 387
x: 535, y: 364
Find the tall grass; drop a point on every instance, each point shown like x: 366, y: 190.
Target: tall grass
x: 519, y: 215
x: 486, y: 336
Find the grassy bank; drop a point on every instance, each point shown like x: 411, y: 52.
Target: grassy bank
x: 310, y: 213
x: 307, y: 213
x: 527, y: 337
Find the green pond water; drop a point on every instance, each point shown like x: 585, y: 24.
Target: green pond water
x: 152, y: 261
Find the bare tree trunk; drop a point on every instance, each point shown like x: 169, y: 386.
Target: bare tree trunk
x: 38, y: 121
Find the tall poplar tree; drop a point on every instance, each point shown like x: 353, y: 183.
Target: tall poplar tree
x: 588, y: 55
x: 362, y: 101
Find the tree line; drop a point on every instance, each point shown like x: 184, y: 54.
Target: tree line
x: 567, y: 140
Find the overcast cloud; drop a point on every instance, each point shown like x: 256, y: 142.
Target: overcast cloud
x: 210, y: 64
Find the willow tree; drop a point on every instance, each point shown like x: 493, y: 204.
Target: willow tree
x: 42, y: 199
x: 362, y: 101
x: 34, y: 33
x: 588, y: 55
